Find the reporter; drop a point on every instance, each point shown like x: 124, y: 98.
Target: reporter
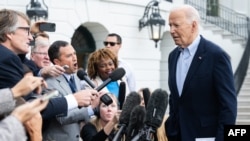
x: 102, y: 126
x: 67, y: 127
x: 39, y: 60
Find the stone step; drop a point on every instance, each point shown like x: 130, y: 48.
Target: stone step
x: 244, y: 90
x: 243, y: 122
x: 244, y: 98
x: 243, y: 109
x: 246, y: 83
x: 228, y: 35
x: 243, y: 102
x: 243, y: 115
x: 248, y: 72
x: 217, y: 30
x: 245, y: 86
x: 244, y: 93
x: 247, y: 79
x: 241, y: 41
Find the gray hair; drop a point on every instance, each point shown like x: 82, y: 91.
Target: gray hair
x: 191, y: 13
x: 9, y: 22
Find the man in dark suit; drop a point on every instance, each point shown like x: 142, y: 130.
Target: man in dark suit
x: 15, y: 37
x: 203, y: 97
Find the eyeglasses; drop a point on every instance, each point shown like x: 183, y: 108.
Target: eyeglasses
x: 41, y: 53
x: 27, y: 29
x: 111, y: 43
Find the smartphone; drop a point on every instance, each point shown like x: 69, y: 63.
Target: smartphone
x: 51, y: 27
x: 50, y: 94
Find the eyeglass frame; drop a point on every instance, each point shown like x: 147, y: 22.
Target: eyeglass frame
x: 111, y: 43
x: 27, y: 29
x: 41, y: 53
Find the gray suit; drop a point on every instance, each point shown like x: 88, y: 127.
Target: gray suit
x: 7, y: 102
x: 66, y: 128
x: 11, y: 129
x: 10, y: 123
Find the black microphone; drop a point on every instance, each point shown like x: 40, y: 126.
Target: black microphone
x: 136, y: 122
x: 114, y: 76
x: 155, y: 112
x: 156, y: 108
x: 146, y: 94
x: 122, y: 93
x: 131, y: 101
x: 83, y: 76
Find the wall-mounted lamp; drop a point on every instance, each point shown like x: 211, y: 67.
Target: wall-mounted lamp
x: 153, y: 20
x: 35, y: 10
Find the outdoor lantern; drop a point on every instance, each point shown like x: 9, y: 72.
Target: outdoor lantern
x: 153, y: 20
x: 35, y: 10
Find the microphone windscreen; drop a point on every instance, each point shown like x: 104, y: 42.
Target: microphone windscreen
x: 81, y: 73
x: 117, y: 74
x: 136, y: 122
x: 122, y: 93
x: 131, y: 101
x: 156, y: 108
x: 146, y: 94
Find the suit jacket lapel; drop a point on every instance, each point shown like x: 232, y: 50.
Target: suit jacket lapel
x: 198, y: 58
x: 173, y: 62
x: 64, y: 84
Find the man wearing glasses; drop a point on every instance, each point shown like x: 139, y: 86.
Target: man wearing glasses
x: 14, y: 39
x: 113, y: 42
x: 39, y: 52
x: 39, y: 61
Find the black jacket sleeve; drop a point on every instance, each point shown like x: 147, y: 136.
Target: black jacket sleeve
x: 89, y: 133
x: 56, y: 107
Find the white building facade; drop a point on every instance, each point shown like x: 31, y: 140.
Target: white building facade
x: 101, y: 17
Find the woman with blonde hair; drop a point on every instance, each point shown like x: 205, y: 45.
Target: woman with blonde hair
x: 103, y: 126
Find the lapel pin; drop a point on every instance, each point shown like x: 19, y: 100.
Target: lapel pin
x: 200, y: 57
